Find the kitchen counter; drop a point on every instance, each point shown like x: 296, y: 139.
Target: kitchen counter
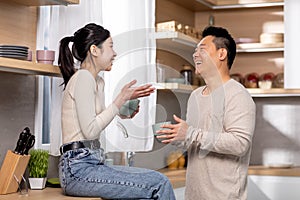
x: 177, y: 176
x: 274, y: 171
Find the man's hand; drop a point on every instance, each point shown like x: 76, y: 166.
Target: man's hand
x: 174, y: 132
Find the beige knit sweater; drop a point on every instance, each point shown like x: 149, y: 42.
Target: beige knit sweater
x: 84, y: 115
x: 219, y: 138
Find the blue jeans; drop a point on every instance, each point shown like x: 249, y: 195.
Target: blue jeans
x: 82, y: 172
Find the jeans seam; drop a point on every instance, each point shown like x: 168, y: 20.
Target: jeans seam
x: 106, y: 181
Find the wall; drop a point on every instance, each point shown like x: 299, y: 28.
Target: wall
x: 17, y: 104
x: 277, y: 137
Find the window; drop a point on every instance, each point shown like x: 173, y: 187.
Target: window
x: 43, y: 90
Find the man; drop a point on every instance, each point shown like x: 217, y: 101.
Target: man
x: 219, y: 126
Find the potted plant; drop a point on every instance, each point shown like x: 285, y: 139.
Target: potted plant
x: 38, y: 167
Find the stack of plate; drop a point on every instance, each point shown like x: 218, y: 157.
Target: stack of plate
x: 13, y: 51
x: 271, y: 38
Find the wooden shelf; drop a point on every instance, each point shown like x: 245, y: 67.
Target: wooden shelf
x: 176, y: 87
x: 255, y: 92
x: 232, y: 4
x: 26, y: 67
x: 177, y: 43
x: 259, y: 47
x: 274, y: 92
x: 23, y: 32
x: 45, y: 2
x: 205, y: 5
x: 183, y: 45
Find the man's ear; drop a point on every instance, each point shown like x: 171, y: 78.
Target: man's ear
x: 222, y: 53
x: 93, y: 50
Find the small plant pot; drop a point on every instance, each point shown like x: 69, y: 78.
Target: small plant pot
x: 37, y: 183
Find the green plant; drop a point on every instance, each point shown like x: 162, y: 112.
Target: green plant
x: 38, y: 163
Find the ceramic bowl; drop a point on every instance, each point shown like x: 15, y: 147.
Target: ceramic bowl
x: 129, y: 107
x: 45, y: 56
x: 156, y: 127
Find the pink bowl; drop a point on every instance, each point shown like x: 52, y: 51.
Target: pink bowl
x: 45, y: 56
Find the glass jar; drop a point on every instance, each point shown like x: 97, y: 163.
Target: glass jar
x: 160, y: 72
x: 187, y: 74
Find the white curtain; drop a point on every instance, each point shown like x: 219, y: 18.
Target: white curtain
x: 131, y: 23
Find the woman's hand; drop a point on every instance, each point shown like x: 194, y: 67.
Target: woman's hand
x: 137, y: 92
x: 175, y: 132
x: 128, y: 92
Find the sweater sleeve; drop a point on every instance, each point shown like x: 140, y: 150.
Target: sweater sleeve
x: 90, y: 122
x: 238, y: 124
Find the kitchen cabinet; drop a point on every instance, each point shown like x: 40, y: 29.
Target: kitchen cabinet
x: 264, y: 187
x: 18, y: 22
x: 261, y: 55
x: 263, y: 183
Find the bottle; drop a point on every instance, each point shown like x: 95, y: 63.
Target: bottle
x: 187, y: 74
x: 181, y: 162
x: 172, y: 161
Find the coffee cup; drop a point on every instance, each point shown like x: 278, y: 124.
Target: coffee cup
x: 129, y: 107
x: 156, y: 127
x: 45, y: 56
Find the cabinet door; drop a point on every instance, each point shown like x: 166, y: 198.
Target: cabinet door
x: 273, y: 187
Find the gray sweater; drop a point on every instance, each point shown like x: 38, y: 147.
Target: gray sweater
x: 218, y: 140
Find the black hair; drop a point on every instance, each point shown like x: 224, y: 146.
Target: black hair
x: 90, y: 34
x: 222, y: 40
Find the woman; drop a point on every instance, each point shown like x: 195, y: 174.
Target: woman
x: 82, y: 170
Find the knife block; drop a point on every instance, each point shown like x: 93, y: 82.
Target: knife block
x: 11, y: 172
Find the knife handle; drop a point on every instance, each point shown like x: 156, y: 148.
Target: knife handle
x: 30, y: 142
x: 22, y: 141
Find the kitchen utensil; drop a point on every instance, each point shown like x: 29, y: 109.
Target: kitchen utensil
x: 29, y: 143
x: 22, y: 140
x: 25, y: 142
x: 187, y: 74
x: 45, y: 56
x: 12, y: 51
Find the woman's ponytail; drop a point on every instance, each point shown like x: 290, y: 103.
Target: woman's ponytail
x: 65, y: 59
